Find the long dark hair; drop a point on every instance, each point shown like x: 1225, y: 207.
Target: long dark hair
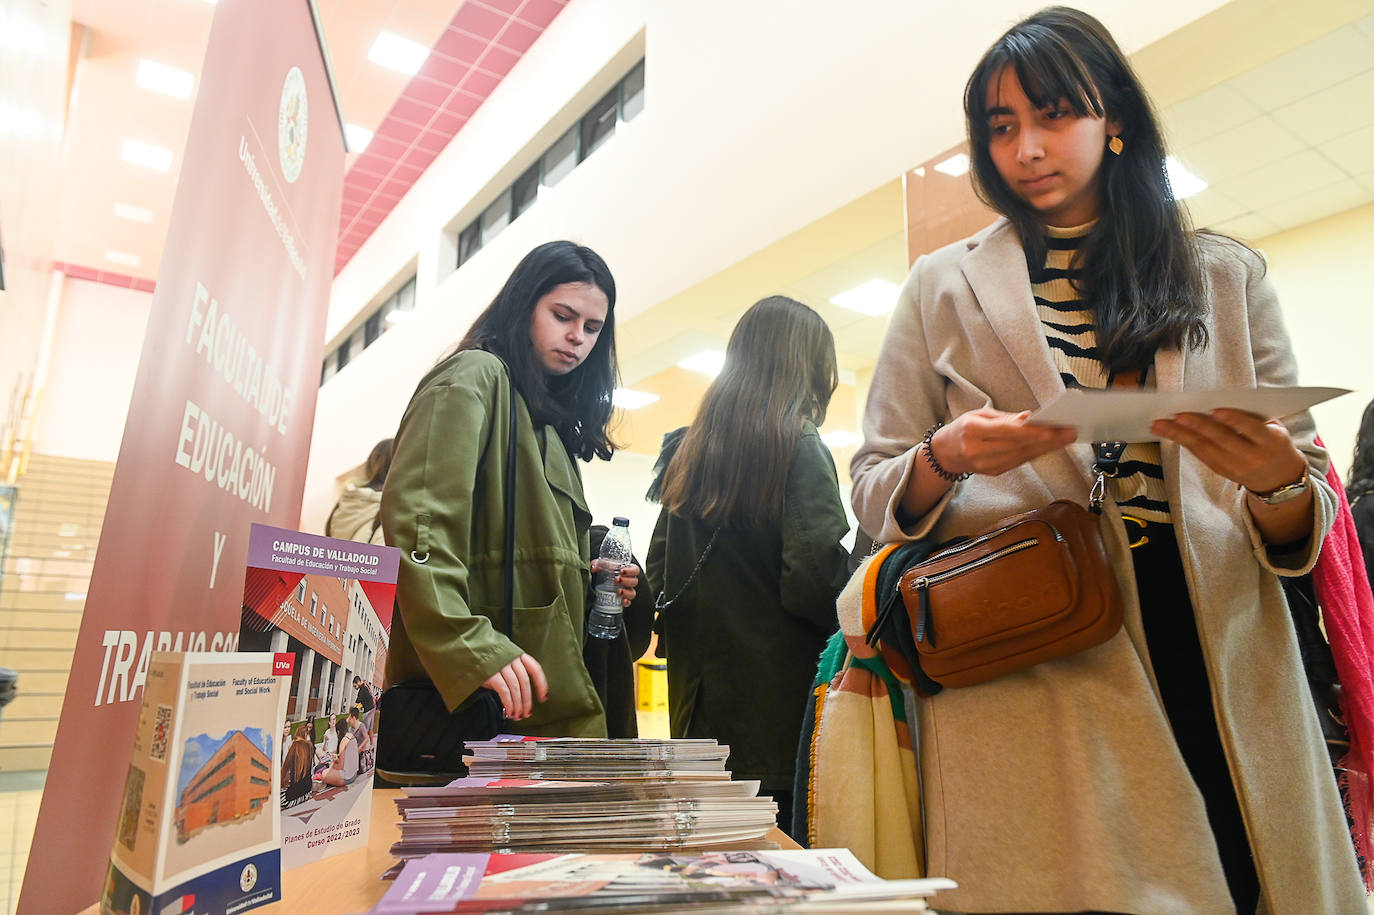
x: 1140, y: 267
x: 1361, y: 480
x: 731, y: 469
x: 379, y: 463
x: 578, y: 404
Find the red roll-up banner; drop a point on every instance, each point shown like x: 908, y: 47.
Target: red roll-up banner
x: 219, y: 425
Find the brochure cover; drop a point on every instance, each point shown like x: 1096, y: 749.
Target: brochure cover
x: 199, y: 820
x: 324, y: 607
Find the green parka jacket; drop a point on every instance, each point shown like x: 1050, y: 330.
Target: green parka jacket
x: 444, y: 506
x: 743, y: 638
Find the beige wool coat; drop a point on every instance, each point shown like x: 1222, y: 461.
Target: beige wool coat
x: 1060, y: 788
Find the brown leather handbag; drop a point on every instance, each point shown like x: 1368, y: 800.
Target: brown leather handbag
x: 1032, y: 588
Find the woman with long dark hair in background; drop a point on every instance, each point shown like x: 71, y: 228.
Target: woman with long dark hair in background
x: 553, y: 326
x: 1176, y: 767
x: 747, y: 548
x: 355, y: 514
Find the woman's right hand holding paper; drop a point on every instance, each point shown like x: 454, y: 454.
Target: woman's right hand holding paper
x: 990, y: 442
x: 983, y: 441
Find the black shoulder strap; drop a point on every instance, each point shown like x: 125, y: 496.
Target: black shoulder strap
x: 509, y: 579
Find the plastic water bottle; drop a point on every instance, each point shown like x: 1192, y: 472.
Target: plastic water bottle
x: 604, y: 620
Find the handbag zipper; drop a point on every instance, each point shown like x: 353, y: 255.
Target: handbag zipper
x: 970, y: 544
x: 925, y: 629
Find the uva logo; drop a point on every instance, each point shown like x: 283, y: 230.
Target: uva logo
x: 292, y: 125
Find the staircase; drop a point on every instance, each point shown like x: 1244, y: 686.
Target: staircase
x: 43, y: 580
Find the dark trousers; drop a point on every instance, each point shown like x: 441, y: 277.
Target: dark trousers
x: 1176, y: 655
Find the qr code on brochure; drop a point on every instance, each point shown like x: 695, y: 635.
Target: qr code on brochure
x: 162, y: 731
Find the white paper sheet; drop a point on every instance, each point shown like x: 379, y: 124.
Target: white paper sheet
x: 1125, y: 416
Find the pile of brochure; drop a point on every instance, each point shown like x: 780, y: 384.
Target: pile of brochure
x: 572, y: 794
x: 819, y: 880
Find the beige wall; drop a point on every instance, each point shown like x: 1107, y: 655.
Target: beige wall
x: 91, y: 379
x: 1324, y: 272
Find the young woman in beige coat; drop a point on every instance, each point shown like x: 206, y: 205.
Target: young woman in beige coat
x: 1177, y: 767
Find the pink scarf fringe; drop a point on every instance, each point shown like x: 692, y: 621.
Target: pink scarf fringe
x: 1347, y: 607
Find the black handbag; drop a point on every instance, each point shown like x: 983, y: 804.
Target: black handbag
x: 1322, y: 680
x: 423, y: 742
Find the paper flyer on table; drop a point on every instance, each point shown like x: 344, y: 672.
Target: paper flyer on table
x: 1126, y: 415
x: 661, y: 881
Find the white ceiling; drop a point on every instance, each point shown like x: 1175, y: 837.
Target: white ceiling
x: 1286, y: 142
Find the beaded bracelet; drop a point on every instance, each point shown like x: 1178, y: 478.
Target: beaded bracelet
x: 934, y: 464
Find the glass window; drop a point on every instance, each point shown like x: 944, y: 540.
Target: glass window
x: 469, y: 241
x: 632, y: 93
x: 300, y: 592
x: 314, y: 603
x: 561, y: 158
x: 358, y: 341
x: 598, y: 124
x: 496, y: 217
x: 372, y: 329
x: 342, y: 353
x: 405, y: 296
x: 525, y: 191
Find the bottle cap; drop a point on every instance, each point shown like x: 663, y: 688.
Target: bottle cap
x: 623, y: 522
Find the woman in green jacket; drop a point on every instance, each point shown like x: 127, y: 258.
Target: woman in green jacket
x: 553, y: 324
x: 751, y: 482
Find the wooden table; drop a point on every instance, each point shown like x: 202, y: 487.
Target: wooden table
x: 348, y: 882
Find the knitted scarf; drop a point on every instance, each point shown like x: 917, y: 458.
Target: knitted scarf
x: 1347, y: 606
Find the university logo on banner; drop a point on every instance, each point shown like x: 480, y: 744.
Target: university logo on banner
x: 220, y: 420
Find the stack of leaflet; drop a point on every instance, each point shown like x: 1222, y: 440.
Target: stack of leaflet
x: 572, y: 794
x: 815, y: 880
x: 683, y: 759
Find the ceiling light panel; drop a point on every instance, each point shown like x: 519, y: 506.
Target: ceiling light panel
x: 1182, y: 182
x: 628, y: 399
x: 397, y: 53
x: 123, y: 258
x: 875, y: 297
x: 147, y: 155
x: 708, y: 362
x: 132, y: 213
x: 164, y: 79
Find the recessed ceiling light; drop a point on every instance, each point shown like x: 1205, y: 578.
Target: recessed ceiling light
x: 1182, y: 182
x: 123, y: 258
x: 841, y: 438
x: 628, y: 399
x: 20, y: 122
x: 708, y: 362
x: 397, y: 53
x: 954, y: 166
x: 357, y: 137
x: 131, y: 212
x: 147, y: 155
x: 162, y: 78
x: 876, y: 297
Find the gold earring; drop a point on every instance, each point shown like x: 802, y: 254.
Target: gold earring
x: 1115, y: 144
